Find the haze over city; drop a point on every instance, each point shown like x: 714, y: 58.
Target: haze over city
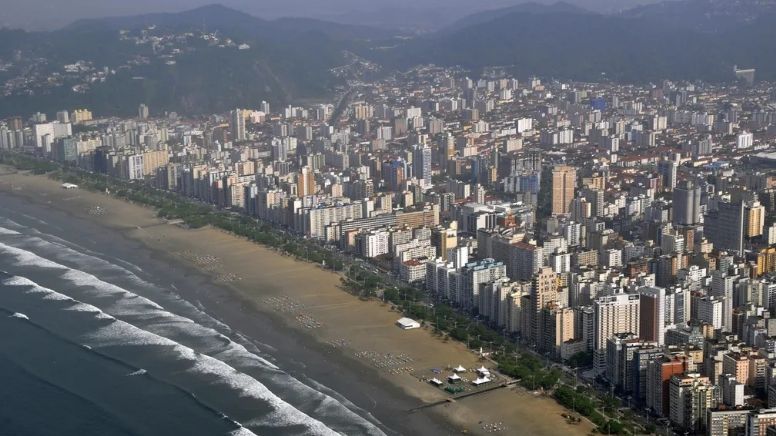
x: 401, y: 217
x: 412, y: 15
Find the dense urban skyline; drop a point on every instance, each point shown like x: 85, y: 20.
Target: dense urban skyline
x: 598, y: 220
x: 597, y: 244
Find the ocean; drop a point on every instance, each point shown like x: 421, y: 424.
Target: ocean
x: 95, y: 341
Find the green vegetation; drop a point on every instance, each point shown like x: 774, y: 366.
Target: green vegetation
x: 579, y: 400
x: 529, y: 370
x: 454, y: 389
x: 27, y: 163
x: 580, y: 360
x: 585, y: 402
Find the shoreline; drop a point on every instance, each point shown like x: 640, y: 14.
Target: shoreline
x: 304, y: 302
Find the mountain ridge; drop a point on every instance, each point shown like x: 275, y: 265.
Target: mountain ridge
x: 205, y: 60
x: 214, y: 58
x: 219, y: 17
x: 572, y: 45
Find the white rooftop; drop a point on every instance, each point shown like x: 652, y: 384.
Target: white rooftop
x: 408, y: 323
x: 481, y: 380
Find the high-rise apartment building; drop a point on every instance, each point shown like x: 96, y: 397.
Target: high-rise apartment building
x: 724, y: 227
x: 305, y: 184
x: 421, y: 163
x: 544, y: 290
x: 445, y: 239
x: 142, y: 112
x: 613, y: 314
x: 394, y: 173
x: 686, y: 206
x: 652, y: 307
x: 754, y: 219
x: 564, y: 180
x: 659, y: 373
x: 237, y: 125
x: 557, y: 327
x: 477, y: 274
x: 691, y: 396
x: 667, y: 170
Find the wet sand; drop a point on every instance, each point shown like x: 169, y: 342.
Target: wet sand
x: 387, y: 367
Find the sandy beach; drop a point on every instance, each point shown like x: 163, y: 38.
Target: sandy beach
x: 351, y: 334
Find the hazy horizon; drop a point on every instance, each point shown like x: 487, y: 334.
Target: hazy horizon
x: 43, y: 15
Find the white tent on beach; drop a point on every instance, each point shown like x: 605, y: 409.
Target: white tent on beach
x: 480, y: 381
x: 459, y: 369
x: 454, y: 378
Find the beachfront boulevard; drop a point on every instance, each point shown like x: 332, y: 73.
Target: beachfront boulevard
x: 508, y: 256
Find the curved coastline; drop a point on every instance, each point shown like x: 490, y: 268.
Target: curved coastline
x: 329, y: 354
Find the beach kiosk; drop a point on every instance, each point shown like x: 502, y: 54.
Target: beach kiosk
x: 408, y: 324
x: 483, y: 372
x: 454, y: 378
x: 436, y: 382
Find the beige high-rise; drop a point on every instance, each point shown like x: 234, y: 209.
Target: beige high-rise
x: 564, y: 180
x: 305, y: 184
x: 544, y: 290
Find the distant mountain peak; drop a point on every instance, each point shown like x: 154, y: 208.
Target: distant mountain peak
x: 215, y: 10
x: 214, y: 7
x: 213, y: 14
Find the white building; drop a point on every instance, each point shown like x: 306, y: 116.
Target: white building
x: 134, y: 167
x: 744, y: 140
x: 611, y: 258
x: 524, y: 124
x: 710, y: 310
x: 373, y: 244
x: 613, y: 314
x: 407, y: 324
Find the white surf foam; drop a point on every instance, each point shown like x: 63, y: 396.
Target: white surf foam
x: 78, y: 254
x: 28, y: 258
x: 127, y: 303
x: 18, y: 281
x: 120, y: 333
x: 19, y: 315
x: 242, y: 431
x: 4, y: 231
x: 164, y: 324
x: 140, y: 371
